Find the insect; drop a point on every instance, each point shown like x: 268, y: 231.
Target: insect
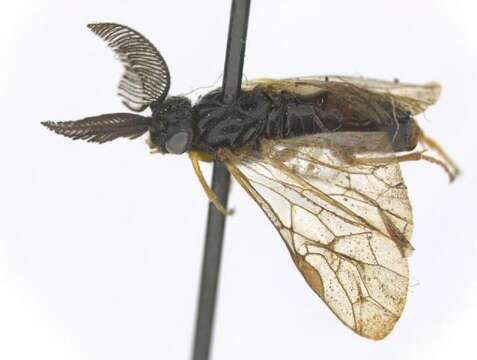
x: 319, y: 155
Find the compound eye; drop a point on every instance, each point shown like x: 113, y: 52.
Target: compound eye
x: 178, y: 143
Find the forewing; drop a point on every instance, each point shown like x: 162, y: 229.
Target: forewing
x: 414, y: 98
x: 146, y: 77
x: 347, y: 226
x: 102, y: 128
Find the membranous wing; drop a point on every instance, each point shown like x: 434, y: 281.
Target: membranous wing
x: 146, y: 76
x: 340, y: 204
x: 414, y: 98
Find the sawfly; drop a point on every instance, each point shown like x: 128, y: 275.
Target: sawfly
x: 320, y: 155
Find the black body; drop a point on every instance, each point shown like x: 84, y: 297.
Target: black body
x: 260, y: 114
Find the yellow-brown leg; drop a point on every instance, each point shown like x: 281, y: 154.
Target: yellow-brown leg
x: 413, y: 156
x: 433, y: 145
x: 195, y: 157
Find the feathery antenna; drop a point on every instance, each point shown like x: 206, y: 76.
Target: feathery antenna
x: 102, y: 128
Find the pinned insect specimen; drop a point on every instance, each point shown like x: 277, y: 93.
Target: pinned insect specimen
x: 320, y: 156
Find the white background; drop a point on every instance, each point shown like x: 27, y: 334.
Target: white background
x: 100, y: 246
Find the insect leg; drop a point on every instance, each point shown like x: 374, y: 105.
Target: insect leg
x: 433, y: 145
x: 413, y: 156
x: 195, y: 157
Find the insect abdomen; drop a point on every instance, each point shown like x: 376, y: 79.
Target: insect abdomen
x: 293, y: 115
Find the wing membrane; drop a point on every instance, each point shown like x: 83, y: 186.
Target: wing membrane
x: 415, y: 98
x: 347, y: 226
